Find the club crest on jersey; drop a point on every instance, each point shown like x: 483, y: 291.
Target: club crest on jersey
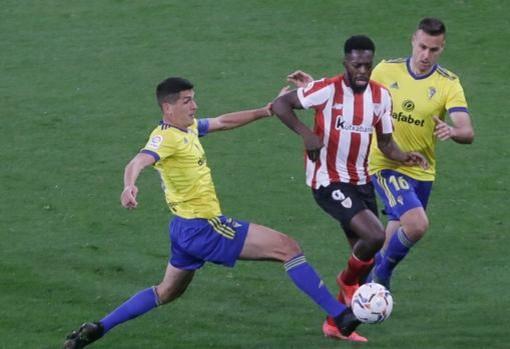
x: 432, y: 91
x: 155, y: 142
x: 344, y: 125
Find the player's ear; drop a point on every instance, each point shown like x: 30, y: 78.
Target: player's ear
x: 166, y: 108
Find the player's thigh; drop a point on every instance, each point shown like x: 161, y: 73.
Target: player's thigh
x: 174, y: 283
x: 367, y: 226
x: 263, y: 243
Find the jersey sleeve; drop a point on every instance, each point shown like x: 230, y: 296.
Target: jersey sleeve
x: 202, y: 127
x: 455, y: 99
x: 315, y: 93
x: 160, y: 145
x: 385, y: 124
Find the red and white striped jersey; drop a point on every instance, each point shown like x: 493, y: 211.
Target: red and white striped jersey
x: 345, y: 121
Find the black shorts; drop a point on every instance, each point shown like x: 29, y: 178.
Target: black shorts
x: 343, y: 201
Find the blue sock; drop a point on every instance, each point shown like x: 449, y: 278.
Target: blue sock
x: 139, y: 304
x: 307, y: 280
x: 397, y: 249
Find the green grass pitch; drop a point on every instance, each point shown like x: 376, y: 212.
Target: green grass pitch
x: 76, y: 103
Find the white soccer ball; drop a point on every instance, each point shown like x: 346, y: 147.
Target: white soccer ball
x: 372, y: 303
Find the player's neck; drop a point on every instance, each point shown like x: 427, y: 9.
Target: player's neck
x: 418, y: 72
x: 174, y: 123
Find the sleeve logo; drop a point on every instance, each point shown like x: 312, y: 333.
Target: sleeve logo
x: 155, y: 142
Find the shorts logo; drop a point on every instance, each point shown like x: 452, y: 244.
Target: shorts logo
x: 337, y: 195
x: 155, y: 142
x: 232, y: 223
x: 408, y: 105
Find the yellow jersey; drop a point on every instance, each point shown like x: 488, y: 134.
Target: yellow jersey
x: 186, y: 179
x: 416, y: 99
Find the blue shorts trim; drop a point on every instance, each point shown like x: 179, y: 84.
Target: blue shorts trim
x: 400, y: 193
x: 195, y: 241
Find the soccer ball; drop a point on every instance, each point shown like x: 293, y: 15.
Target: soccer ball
x: 372, y: 303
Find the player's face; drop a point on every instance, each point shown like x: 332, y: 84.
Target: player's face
x: 182, y: 111
x: 358, y: 66
x: 426, y: 51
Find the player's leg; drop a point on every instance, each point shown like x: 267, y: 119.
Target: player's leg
x: 413, y: 225
x: 178, y: 275
x: 405, y: 202
x: 370, y: 231
x: 264, y: 243
x: 173, y: 285
x: 354, y: 206
x: 343, y: 202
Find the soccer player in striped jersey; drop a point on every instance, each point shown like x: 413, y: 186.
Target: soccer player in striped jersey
x: 423, y: 93
x: 199, y: 232
x: 348, y: 108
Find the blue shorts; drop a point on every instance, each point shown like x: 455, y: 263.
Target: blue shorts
x: 196, y: 241
x: 400, y: 193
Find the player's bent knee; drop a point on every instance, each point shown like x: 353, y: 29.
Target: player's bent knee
x: 416, y: 229
x: 377, y: 241
x: 291, y: 248
x: 167, y: 294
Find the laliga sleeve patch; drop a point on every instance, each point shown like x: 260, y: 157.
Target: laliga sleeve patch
x: 155, y: 142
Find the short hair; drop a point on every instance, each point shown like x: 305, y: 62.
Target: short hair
x: 432, y: 26
x: 358, y: 42
x: 168, y: 89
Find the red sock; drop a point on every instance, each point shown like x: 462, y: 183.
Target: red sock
x: 356, y: 268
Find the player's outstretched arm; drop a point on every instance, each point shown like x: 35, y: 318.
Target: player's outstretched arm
x: 461, y: 131
x: 131, y: 173
x: 391, y: 150
x: 240, y: 118
x: 284, y: 107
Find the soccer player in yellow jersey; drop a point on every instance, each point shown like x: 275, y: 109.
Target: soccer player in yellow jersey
x: 199, y: 232
x: 423, y: 93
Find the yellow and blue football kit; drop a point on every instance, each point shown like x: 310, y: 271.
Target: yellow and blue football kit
x: 199, y: 232
x: 416, y: 100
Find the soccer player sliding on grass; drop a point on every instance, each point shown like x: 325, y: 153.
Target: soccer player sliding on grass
x: 199, y: 232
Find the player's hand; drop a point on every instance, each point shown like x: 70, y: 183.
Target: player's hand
x: 416, y: 159
x: 443, y: 131
x: 299, y: 78
x: 313, y: 145
x: 269, y: 106
x: 128, y: 197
